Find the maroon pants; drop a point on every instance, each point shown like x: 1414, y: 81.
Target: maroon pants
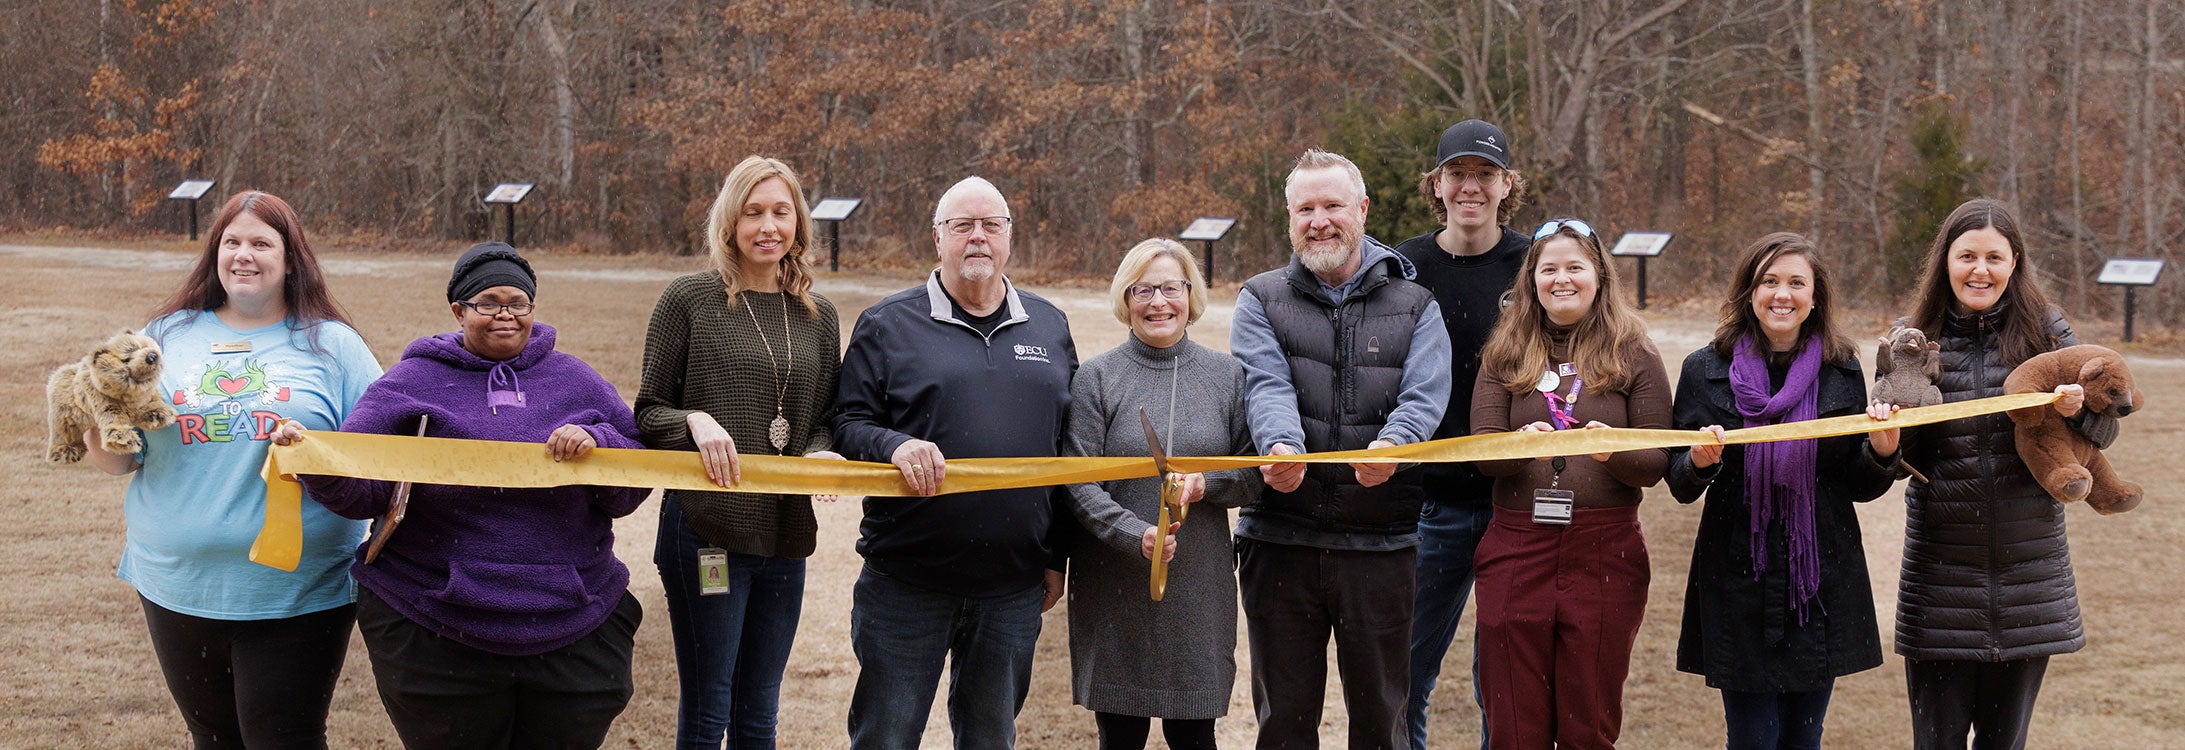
x: 1559, y: 609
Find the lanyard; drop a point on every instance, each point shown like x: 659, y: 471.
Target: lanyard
x: 1561, y: 409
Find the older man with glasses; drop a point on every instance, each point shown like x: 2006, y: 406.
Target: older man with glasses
x: 965, y: 366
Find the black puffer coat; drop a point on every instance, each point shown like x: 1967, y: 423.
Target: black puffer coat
x: 1739, y: 631
x: 1987, y: 572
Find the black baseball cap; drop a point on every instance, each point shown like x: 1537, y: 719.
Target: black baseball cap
x: 1473, y: 138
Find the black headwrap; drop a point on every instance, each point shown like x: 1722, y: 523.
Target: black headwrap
x: 487, y: 265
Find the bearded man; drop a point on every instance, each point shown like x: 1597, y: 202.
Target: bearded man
x: 1341, y: 351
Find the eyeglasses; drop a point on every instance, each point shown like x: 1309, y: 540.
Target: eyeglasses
x: 1549, y: 229
x: 992, y: 224
x: 1481, y: 175
x: 1170, y: 290
x: 490, y: 309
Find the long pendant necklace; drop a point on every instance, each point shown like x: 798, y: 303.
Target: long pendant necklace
x: 777, y: 432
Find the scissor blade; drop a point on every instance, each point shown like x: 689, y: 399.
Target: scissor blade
x: 1153, y: 441
x: 396, y: 510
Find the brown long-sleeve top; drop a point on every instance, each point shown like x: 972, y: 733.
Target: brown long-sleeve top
x: 1643, y: 402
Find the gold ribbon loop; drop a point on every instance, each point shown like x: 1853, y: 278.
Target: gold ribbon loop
x: 483, y: 463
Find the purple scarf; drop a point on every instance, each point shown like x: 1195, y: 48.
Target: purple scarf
x: 1780, y: 476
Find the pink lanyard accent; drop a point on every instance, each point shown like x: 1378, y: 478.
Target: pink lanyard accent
x: 1561, y: 408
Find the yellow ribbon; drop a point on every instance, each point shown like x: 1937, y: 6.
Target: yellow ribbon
x: 484, y: 463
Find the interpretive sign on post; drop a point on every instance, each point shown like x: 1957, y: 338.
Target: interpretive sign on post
x: 1641, y: 245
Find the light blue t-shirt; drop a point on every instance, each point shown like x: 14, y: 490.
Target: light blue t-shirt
x: 195, y: 506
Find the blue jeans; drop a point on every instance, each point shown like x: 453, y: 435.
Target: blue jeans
x: 730, y: 649
x: 1775, y: 721
x: 1448, y: 535
x: 903, y: 635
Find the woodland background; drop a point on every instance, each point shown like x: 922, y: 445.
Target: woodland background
x: 1859, y: 121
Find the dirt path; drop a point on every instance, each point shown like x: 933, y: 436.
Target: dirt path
x: 76, y: 670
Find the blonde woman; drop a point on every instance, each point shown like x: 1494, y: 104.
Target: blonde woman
x: 742, y: 357
x: 1195, y: 397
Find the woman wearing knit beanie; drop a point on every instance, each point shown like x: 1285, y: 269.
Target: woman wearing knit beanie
x: 495, y: 618
x: 1778, y: 605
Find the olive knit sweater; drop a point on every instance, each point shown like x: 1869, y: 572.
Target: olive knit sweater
x: 703, y: 355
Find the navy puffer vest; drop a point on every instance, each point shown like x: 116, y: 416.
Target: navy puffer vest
x: 1347, y: 364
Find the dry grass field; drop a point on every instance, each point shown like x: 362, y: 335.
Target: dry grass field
x: 76, y: 670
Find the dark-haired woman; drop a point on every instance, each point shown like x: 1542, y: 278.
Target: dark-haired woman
x: 1987, y: 594
x: 1777, y: 605
x: 1563, y: 567
x: 250, y: 653
x: 740, y: 358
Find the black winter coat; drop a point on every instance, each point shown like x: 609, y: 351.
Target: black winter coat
x: 1738, y: 631
x: 1987, y: 572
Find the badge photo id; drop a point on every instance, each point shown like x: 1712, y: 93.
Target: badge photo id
x: 1554, y: 506
x: 712, y: 571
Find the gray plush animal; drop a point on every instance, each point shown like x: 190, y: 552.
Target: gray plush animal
x: 1905, y: 368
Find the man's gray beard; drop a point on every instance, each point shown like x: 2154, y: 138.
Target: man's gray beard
x: 976, y: 273
x: 1323, y: 262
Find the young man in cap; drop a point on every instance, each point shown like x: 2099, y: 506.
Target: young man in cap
x: 1469, y: 264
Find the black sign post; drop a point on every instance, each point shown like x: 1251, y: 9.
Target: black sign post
x: 509, y: 194
x: 1208, y: 230
x: 192, y: 191
x: 2130, y: 273
x: 833, y: 211
x: 1641, y: 245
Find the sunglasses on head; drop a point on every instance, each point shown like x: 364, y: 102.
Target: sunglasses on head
x: 1549, y: 229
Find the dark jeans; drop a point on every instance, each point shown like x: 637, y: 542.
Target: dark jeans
x: 1775, y: 721
x: 730, y: 649
x: 1448, y: 536
x: 255, y: 683
x: 1127, y: 732
x: 443, y: 694
x: 1294, y: 598
x: 1992, y: 700
x: 904, y: 635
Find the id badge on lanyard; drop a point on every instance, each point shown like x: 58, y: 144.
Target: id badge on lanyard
x: 1553, y: 505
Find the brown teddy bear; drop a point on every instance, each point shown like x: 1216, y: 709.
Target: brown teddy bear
x: 115, y: 388
x: 2064, y: 462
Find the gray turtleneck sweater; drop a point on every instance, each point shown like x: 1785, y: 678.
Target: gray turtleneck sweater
x: 1128, y: 654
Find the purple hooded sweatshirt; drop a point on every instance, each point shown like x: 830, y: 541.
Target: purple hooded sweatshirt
x: 506, y: 571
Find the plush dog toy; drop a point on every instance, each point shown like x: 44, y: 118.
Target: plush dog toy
x: 1905, y: 367
x: 2063, y: 461
x: 115, y: 388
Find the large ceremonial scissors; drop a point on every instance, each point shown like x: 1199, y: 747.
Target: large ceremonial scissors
x: 1171, y: 491
x: 396, y: 509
